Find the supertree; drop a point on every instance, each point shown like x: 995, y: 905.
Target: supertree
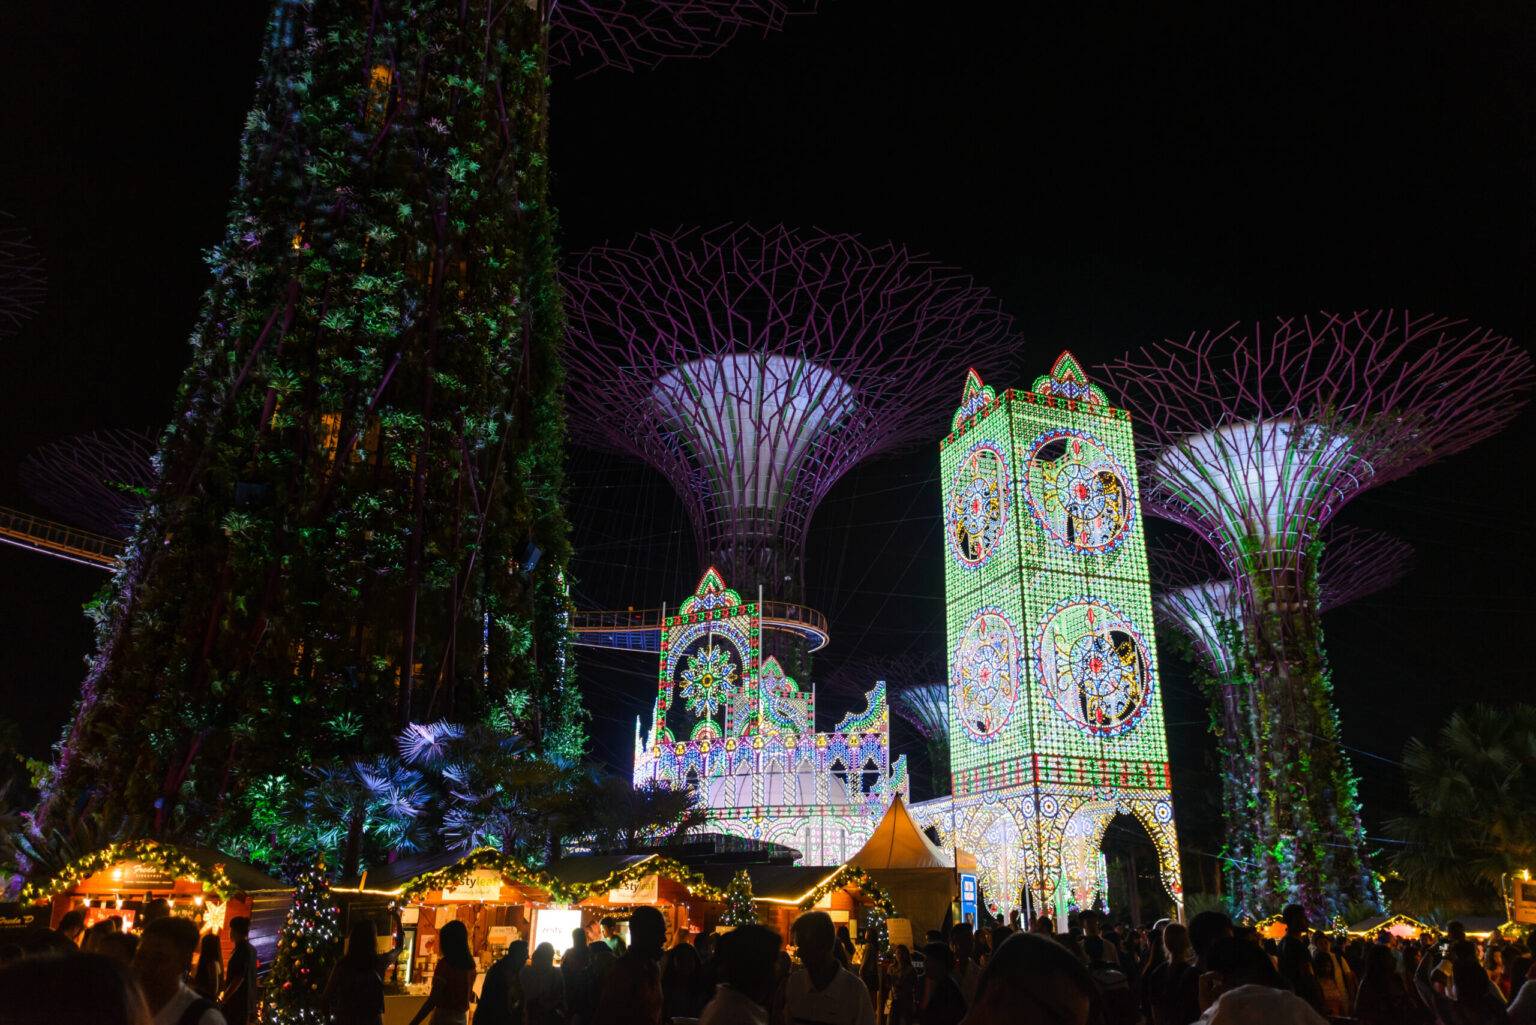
x: 100, y: 480
x: 23, y: 281
x: 753, y: 368
x: 357, y: 520
x: 358, y: 517
x: 1197, y: 599
x: 1255, y: 437
x: 925, y: 708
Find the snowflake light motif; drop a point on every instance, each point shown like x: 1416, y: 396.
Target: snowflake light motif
x: 708, y: 679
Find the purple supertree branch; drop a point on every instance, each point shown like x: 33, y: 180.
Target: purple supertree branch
x: 97, y: 480
x: 753, y: 368
x: 23, y: 281
x: 1357, y: 563
x: 589, y: 35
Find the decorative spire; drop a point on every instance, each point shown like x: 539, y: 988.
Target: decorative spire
x: 1067, y: 380
x: 975, y: 400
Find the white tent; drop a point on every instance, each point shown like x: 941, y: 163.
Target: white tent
x: 917, y: 874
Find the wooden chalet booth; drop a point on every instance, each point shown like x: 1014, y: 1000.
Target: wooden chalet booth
x: 500, y: 900
x: 200, y: 884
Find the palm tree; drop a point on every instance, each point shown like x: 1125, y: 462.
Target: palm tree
x: 352, y: 802
x: 1474, y: 797
x: 628, y: 817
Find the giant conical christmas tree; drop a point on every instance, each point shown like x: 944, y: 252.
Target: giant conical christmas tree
x: 357, y: 520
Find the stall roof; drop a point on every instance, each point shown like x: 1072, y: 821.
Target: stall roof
x: 589, y: 868
x: 246, y: 878
x: 773, y: 882
x: 898, y: 843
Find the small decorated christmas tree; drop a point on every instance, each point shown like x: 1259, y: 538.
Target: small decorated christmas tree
x: 738, y: 901
x: 307, y: 949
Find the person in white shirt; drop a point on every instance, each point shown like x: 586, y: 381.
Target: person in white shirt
x: 162, y: 961
x: 747, y: 957
x: 821, y: 991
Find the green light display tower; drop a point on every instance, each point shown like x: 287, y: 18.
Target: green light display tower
x: 1055, y: 711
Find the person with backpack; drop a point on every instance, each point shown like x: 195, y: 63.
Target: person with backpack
x: 1117, y: 1002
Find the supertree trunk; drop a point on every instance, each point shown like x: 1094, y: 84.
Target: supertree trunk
x: 1309, y: 840
x: 358, y: 517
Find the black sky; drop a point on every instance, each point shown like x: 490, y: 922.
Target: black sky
x: 1116, y: 172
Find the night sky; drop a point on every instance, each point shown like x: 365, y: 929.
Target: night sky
x: 1116, y: 175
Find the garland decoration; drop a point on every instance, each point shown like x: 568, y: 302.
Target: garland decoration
x: 516, y: 873
x: 883, y: 907
x: 213, y: 877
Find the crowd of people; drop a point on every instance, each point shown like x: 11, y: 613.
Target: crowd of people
x: 1210, y: 972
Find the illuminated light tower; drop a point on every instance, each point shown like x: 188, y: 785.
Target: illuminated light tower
x: 1255, y: 437
x: 99, y: 480
x: 23, y: 282
x: 589, y: 35
x: 753, y: 368
x: 1197, y: 599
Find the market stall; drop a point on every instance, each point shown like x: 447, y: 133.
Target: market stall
x: 203, y: 885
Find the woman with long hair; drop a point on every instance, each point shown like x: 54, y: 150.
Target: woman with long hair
x: 210, y: 967
x: 354, y: 995
x: 453, y: 981
x: 682, y: 973
x: 1384, y: 997
x: 1471, y: 999
x: 543, y: 987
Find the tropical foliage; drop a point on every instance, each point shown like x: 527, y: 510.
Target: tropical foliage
x: 1474, y: 797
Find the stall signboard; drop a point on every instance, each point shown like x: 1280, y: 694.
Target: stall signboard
x: 968, y: 898
x: 1525, y: 902
x: 554, y: 926
x: 20, y: 917
x: 484, y: 885
x: 642, y: 891
x: 128, y: 877
x: 898, y: 932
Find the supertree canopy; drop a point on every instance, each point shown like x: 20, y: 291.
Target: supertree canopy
x: 754, y: 367
x: 1198, y: 600
x: 357, y: 520
x: 23, y: 281
x: 588, y: 35
x: 100, y: 480
x: 1255, y: 437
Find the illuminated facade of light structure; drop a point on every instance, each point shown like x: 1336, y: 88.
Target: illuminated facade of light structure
x: 1056, y: 717
x: 753, y: 368
x: 731, y: 726
x: 1198, y: 600
x: 1255, y: 437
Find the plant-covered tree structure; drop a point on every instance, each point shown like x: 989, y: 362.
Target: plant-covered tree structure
x: 307, y: 949
x: 357, y: 521
x: 1255, y: 437
x: 1198, y: 600
x: 754, y: 367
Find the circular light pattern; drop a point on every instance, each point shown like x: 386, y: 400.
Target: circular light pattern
x: 1093, y: 663
x: 980, y: 495
x: 1077, y: 491
x: 985, y: 678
